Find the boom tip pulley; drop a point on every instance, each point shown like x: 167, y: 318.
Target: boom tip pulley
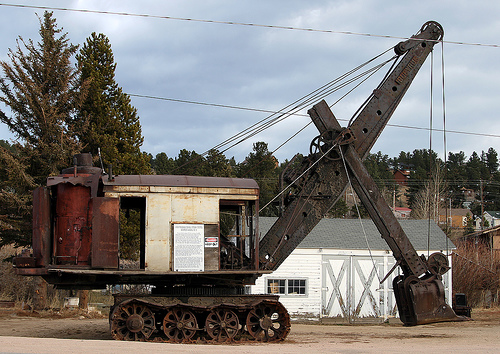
x: 430, y: 31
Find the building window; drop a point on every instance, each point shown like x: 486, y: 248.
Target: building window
x: 296, y: 286
x: 286, y: 286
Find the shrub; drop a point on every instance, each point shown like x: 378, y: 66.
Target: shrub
x: 475, y: 273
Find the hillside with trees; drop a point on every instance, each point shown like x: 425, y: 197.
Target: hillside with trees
x: 432, y: 182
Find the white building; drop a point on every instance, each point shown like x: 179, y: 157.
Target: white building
x: 493, y: 218
x: 336, y: 270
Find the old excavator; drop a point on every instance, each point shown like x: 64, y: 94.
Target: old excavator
x: 199, y: 245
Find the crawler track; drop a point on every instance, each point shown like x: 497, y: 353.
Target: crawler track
x: 166, y: 319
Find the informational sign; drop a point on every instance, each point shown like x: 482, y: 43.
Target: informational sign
x: 189, y: 247
x: 211, y: 242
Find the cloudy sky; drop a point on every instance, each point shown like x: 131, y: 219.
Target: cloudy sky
x: 267, y: 67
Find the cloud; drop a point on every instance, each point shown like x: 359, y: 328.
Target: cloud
x: 268, y: 68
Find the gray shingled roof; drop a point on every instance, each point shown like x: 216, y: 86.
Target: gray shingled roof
x: 495, y: 214
x: 348, y: 234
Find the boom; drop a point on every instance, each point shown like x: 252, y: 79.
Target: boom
x: 321, y: 187
x: 335, y: 159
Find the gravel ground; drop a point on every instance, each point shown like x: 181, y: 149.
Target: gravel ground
x: 21, y: 332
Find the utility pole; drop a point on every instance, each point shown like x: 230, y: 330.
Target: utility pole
x: 450, y: 219
x: 482, y: 203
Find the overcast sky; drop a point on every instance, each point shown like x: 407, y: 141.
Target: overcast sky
x: 268, y: 68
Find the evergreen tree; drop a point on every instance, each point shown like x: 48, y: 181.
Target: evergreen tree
x: 39, y: 87
x: 112, y: 122
x: 217, y: 165
x: 15, y: 197
x: 261, y: 165
x: 339, y: 210
x: 457, y: 177
x: 492, y: 160
x: 378, y: 166
x: 162, y: 164
x: 420, y: 162
x: 476, y: 168
x: 188, y: 163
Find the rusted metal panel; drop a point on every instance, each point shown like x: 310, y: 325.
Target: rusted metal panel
x: 88, y: 180
x: 105, y: 232
x: 72, y: 236
x: 229, y: 193
x: 41, y: 242
x: 24, y: 262
x: 31, y: 271
x: 422, y: 300
x: 181, y: 181
x: 323, y: 117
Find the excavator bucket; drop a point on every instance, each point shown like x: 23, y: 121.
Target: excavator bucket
x: 422, y: 301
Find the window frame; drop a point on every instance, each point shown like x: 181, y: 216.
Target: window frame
x: 286, y: 286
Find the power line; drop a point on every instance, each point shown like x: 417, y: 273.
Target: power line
x: 254, y: 25
x: 101, y: 12
x: 305, y: 115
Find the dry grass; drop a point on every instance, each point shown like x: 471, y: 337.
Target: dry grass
x: 475, y: 273
x: 21, y: 289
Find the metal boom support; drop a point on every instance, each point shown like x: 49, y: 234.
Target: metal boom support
x: 323, y: 185
x: 323, y: 178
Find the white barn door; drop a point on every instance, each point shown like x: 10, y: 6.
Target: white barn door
x: 351, y: 289
x: 336, y: 287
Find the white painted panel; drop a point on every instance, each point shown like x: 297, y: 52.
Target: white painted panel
x: 200, y: 209
x: 158, y: 238
x: 297, y: 266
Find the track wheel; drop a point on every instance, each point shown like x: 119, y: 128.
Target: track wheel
x: 222, y: 324
x: 132, y: 321
x: 268, y: 322
x: 179, y: 324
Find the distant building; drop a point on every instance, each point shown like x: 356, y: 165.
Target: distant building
x: 493, y: 218
x: 401, y: 177
x: 457, y: 218
x: 490, y: 238
x: 402, y: 213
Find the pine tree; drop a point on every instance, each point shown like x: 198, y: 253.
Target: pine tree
x: 491, y: 159
x: 112, y: 122
x: 162, y: 164
x: 216, y: 165
x: 261, y: 165
x: 38, y: 86
x: 15, y: 197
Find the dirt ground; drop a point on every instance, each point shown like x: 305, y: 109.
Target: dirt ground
x: 55, y: 333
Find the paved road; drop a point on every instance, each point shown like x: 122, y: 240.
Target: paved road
x: 35, y: 335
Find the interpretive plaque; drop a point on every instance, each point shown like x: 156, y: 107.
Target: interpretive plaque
x: 189, y: 247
